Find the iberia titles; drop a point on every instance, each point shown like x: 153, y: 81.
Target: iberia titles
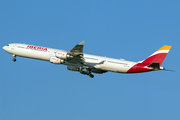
x: 37, y: 48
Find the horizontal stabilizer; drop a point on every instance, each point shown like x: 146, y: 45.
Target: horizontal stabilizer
x: 154, y: 65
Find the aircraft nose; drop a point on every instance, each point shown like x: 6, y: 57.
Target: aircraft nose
x: 5, y: 48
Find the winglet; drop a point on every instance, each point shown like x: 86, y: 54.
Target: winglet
x: 82, y: 43
x: 158, y: 56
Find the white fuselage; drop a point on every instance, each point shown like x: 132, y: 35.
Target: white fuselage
x: 97, y: 62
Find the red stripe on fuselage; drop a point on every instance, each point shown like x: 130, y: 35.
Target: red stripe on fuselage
x: 139, y: 67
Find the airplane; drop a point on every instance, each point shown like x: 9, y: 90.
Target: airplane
x: 86, y: 64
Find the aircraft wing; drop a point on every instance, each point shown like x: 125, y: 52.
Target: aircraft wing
x: 78, y: 56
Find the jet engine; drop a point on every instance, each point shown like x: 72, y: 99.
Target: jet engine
x: 62, y: 55
x: 56, y: 60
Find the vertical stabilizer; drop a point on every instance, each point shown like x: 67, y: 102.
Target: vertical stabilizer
x: 158, y: 56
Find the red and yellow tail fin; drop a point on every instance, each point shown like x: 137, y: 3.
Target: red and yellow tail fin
x: 158, y: 56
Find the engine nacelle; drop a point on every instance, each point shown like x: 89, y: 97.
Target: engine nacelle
x: 56, y: 60
x: 72, y: 68
x: 62, y: 55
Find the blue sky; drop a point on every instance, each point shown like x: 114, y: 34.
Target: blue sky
x: 38, y: 90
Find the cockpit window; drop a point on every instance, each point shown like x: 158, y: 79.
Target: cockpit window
x: 7, y: 44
